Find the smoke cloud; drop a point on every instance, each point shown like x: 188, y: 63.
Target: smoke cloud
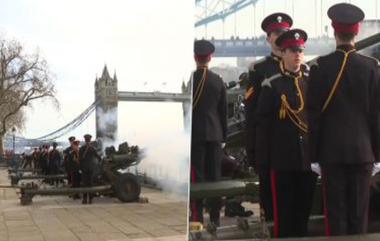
x: 106, y: 120
x: 166, y: 161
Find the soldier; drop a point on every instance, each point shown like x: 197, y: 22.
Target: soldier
x: 274, y: 25
x: 44, y: 159
x: 68, y: 163
x: 343, y: 108
x: 40, y: 151
x: 73, y: 159
x: 35, y: 155
x: 28, y: 161
x: 86, y: 161
x: 281, y: 118
x: 54, y: 162
x: 209, y: 128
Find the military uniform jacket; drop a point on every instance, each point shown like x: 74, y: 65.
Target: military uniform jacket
x: 54, y: 157
x: 209, y: 119
x: 258, y: 72
x: 43, y: 158
x: 281, y: 140
x: 87, y: 154
x: 348, y: 130
x: 68, y: 159
x: 73, y: 160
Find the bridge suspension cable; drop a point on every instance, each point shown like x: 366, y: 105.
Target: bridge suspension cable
x: 213, y: 11
x: 68, y: 127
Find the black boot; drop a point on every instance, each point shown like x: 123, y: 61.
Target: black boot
x: 76, y: 196
x: 235, y: 208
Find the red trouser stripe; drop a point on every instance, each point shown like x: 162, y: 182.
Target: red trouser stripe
x: 194, y: 213
x: 273, y: 185
x: 327, y: 230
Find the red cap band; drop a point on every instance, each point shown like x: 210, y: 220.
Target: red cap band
x: 345, y: 28
x: 273, y: 26
x: 203, y: 57
x: 292, y: 42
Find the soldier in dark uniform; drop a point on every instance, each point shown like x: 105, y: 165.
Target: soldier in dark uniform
x: 35, y: 155
x: 44, y: 159
x: 68, y: 163
x: 28, y: 161
x: 274, y: 25
x: 209, y: 128
x: 73, y: 159
x: 54, y: 158
x: 281, y: 117
x: 343, y: 108
x: 87, y: 154
x: 39, y: 154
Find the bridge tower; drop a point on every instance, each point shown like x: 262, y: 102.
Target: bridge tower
x: 106, y: 95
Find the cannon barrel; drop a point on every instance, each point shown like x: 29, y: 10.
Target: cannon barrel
x: 205, y: 190
x: 125, y: 158
x: 65, y: 191
x: 28, y: 193
x: 24, y: 170
x: 16, y: 178
x: 364, y: 43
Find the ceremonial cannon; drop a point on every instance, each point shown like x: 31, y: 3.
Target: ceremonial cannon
x: 110, y: 178
x: 15, y: 178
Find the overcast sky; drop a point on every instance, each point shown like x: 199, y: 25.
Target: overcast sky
x: 144, y: 41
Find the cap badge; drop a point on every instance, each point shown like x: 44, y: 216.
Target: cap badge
x: 296, y: 36
x: 279, y: 19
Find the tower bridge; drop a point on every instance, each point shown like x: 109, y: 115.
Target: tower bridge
x: 106, y: 101
x: 212, y: 17
x: 152, y: 96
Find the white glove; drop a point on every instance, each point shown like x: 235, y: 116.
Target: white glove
x: 223, y: 145
x: 316, y: 168
x: 376, y: 168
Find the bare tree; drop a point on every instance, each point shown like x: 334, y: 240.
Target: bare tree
x: 23, y: 78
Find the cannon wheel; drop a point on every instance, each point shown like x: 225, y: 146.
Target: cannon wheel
x: 127, y: 188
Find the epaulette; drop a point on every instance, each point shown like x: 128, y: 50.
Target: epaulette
x: 370, y: 57
x: 314, y: 62
x: 268, y: 82
x: 306, y: 67
x: 252, y: 65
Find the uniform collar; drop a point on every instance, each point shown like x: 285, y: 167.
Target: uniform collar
x: 275, y: 57
x: 202, y: 67
x: 288, y: 73
x: 292, y: 74
x: 345, y: 47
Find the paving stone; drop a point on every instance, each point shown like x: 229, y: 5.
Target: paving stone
x: 60, y: 218
x: 163, y: 232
